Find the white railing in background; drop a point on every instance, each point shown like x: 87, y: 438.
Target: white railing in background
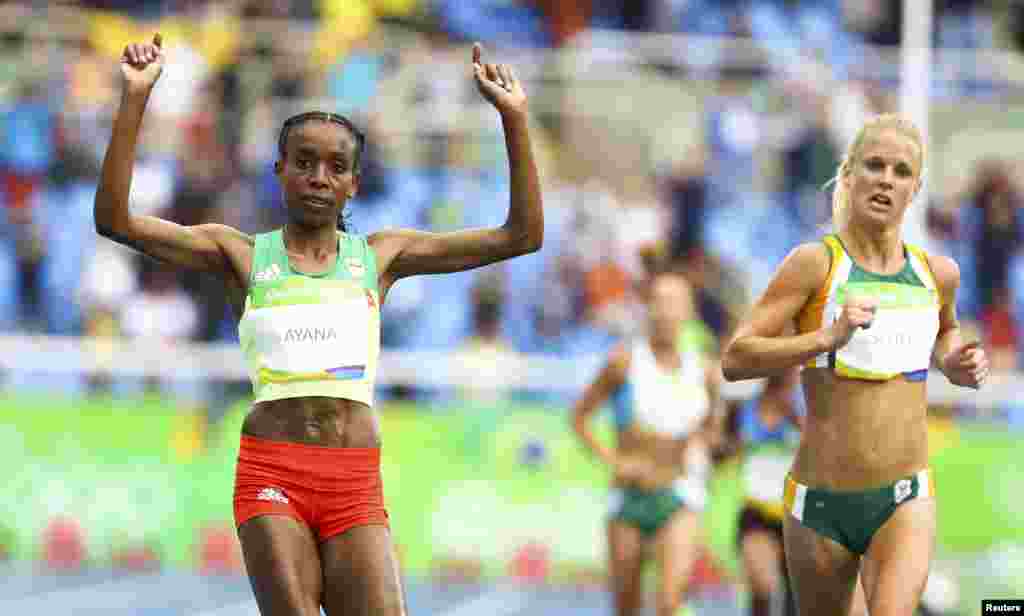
x: 511, y: 371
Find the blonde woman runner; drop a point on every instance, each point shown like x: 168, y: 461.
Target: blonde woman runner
x: 872, y: 314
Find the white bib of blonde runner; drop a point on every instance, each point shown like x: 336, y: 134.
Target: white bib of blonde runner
x: 902, y: 334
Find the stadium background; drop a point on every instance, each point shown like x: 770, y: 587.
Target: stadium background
x: 692, y: 130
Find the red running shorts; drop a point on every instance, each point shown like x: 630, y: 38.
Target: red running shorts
x: 330, y: 489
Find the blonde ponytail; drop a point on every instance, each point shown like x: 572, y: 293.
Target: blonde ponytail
x: 840, y: 198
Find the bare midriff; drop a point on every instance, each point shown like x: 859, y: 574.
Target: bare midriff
x: 667, y: 455
x: 861, y: 434
x: 328, y: 422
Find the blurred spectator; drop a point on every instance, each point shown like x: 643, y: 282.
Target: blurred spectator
x: 108, y: 281
x: 161, y: 310
x: 288, y: 67
x: 10, y: 276
x: 809, y: 159
x: 63, y: 212
x: 990, y: 233
x: 687, y: 190
x: 205, y: 172
x: 483, y: 351
x: 25, y: 250
x: 878, y: 22
x: 162, y: 313
x: 565, y: 18
x: 483, y: 356
x: 607, y: 292
x: 28, y: 133
x: 1000, y: 330
x: 710, y: 285
x: 538, y: 288
x: 1015, y: 25
x: 733, y: 130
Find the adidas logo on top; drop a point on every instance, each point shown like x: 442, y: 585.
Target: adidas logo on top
x: 271, y: 273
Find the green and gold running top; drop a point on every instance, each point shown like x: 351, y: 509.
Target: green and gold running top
x: 902, y: 335
x: 312, y: 335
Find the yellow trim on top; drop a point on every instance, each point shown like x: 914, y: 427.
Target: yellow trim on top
x: 772, y: 511
x: 812, y: 314
x: 923, y: 256
x: 789, y: 493
x: 858, y: 373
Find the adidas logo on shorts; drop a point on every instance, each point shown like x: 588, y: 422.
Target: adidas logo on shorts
x: 272, y: 494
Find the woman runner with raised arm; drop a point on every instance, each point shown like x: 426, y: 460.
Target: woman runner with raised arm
x: 308, y: 497
x: 872, y: 315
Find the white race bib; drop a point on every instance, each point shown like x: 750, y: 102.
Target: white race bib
x: 898, y: 341
x: 311, y: 338
x: 765, y: 476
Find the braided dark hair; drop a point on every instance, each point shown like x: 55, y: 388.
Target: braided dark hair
x: 334, y: 118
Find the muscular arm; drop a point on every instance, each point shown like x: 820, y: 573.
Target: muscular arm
x: 759, y: 348
x: 947, y: 277
x: 611, y: 378
x: 407, y: 252
x: 211, y: 248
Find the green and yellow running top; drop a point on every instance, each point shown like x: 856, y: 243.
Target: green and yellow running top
x: 901, y: 336
x: 312, y: 335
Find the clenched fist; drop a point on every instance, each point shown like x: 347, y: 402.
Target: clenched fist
x: 141, y: 65
x: 858, y: 312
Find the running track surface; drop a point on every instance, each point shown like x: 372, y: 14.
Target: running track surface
x: 170, y: 593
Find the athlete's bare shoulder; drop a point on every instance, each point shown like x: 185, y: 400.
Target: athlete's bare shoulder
x: 947, y: 274
x: 236, y: 245
x: 800, y: 276
x: 806, y: 266
x: 214, y: 248
x: 227, y: 235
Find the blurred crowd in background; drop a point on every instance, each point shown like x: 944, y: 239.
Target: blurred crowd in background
x: 725, y: 197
